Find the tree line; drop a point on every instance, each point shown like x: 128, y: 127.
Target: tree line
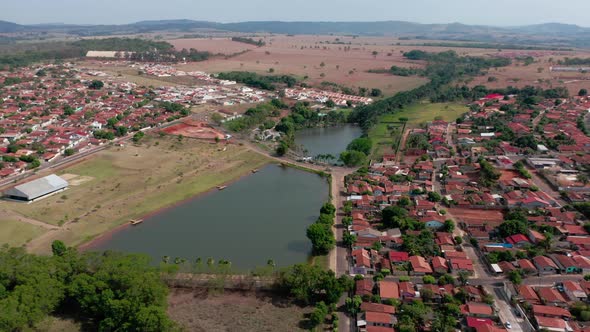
x: 250, y: 41
x: 442, y: 69
x: 264, y: 82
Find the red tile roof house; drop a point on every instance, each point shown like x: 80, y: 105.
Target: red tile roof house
x: 566, y: 264
x: 552, y: 324
x: 461, y: 265
x: 439, y: 265
x: 388, y: 290
x: 380, y: 319
x: 398, y: 257
x: 407, y: 291
x: 527, y: 266
x: 545, y: 265
x: 474, y: 322
x: 518, y: 240
x: 550, y: 311
x: 420, y: 266
x: 551, y: 296
x: 574, y: 291
x: 528, y: 294
x: 377, y: 307
x: 477, y: 310
x: 364, y: 287
x: 535, y: 236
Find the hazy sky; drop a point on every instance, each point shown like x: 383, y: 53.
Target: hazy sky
x: 487, y: 12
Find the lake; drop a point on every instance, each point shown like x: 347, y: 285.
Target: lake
x: 329, y: 140
x: 259, y: 217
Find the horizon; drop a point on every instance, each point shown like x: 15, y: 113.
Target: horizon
x: 288, y: 21
x: 468, y: 12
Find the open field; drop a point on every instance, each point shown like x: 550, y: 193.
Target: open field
x: 304, y: 55
x: 196, y: 310
x: 132, y: 181
x: 16, y: 233
x: 387, y: 133
x: 537, y: 74
x: 212, y: 45
x: 425, y: 112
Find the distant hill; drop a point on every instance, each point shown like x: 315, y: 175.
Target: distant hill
x: 554, y: 33
x: 10, y: 27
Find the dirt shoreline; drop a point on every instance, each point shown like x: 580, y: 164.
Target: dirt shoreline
x: 102, y: 238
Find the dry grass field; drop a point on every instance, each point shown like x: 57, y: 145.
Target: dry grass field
x: 200, y: 311
x: 130, y: 182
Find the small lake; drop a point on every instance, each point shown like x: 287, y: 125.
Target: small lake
x: 330, y: 140
x: 262, y: 216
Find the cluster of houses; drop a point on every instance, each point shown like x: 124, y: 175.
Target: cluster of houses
x: 320, y: 96
x: 477, y: 314
x: 547, y: 307
x: 169, y: 71
x: 48, y: 111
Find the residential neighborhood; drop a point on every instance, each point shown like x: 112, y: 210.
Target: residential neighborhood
x: 478, y: 221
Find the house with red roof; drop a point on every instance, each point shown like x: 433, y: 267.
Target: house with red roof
x: 527, y: 293
x: 461, y: 265
x: 364, y: 287
x: 419, y: 266
x: 388, y: 290
x: 439, y: 265
x: 545, y: 265
x: 551, y: 296
x: 552, y: 324
x: 551, y: 311
x: 475, y: 309
x: 518, y: 240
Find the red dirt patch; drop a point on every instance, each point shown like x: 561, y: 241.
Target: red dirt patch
x: 194, y: 129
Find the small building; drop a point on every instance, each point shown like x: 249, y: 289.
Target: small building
x: 545, y: 265
x: 37, y: 189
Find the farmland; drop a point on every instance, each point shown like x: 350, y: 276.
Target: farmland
x: 128, y: 182
x: 319, y: 59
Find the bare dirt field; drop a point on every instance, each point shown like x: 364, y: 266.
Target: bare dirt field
x: 128, y: 183
x: 213, y: 45
x: 320, y: 59
x: 197, y: 310
x: 537, y: 74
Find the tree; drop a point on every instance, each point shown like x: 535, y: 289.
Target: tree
x: 512, y: 227
x: 96, y: 85
x: 353, y: 158
x: 364, y: 145
x: 353, y: 304
x: 434, y: 196
x: 329, y: 209
x: 583, y: 178
x: 449, y: 226
x: 58, y: 248
x: 583, y: 92
x: 348, y: 239
x: 428, y: 279
x: 318, y: 315
x: 322, y: 238
x: 330, y: 103
x: 138, y: 136
x: 515, y: 276
x: 463, y: 277
x: 68, y: 152
x: 376, y: 93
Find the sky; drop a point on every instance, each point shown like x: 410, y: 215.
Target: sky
x: 482, y: 12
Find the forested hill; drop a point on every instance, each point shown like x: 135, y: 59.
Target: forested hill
x: 554, y: 33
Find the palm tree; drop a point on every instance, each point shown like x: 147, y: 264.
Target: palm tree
x: 271, y: 262
x: 165, y: 259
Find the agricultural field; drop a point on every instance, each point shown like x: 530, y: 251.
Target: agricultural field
x: 538, y: 73
x: 123, y: 183
x: 198, y: 310
x: 321, y: 59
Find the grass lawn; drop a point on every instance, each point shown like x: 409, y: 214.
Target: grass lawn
x: 385, y: 134
x: 16, y: 233
x: 425, y: 112
x: 132, y: 181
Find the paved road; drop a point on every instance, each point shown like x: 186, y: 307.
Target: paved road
x: 504, y: 309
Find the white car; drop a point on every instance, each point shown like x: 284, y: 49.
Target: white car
x: 508, y: 325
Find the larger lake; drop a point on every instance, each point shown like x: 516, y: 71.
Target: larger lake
x: 262, y: 216
x: 329, y: 140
